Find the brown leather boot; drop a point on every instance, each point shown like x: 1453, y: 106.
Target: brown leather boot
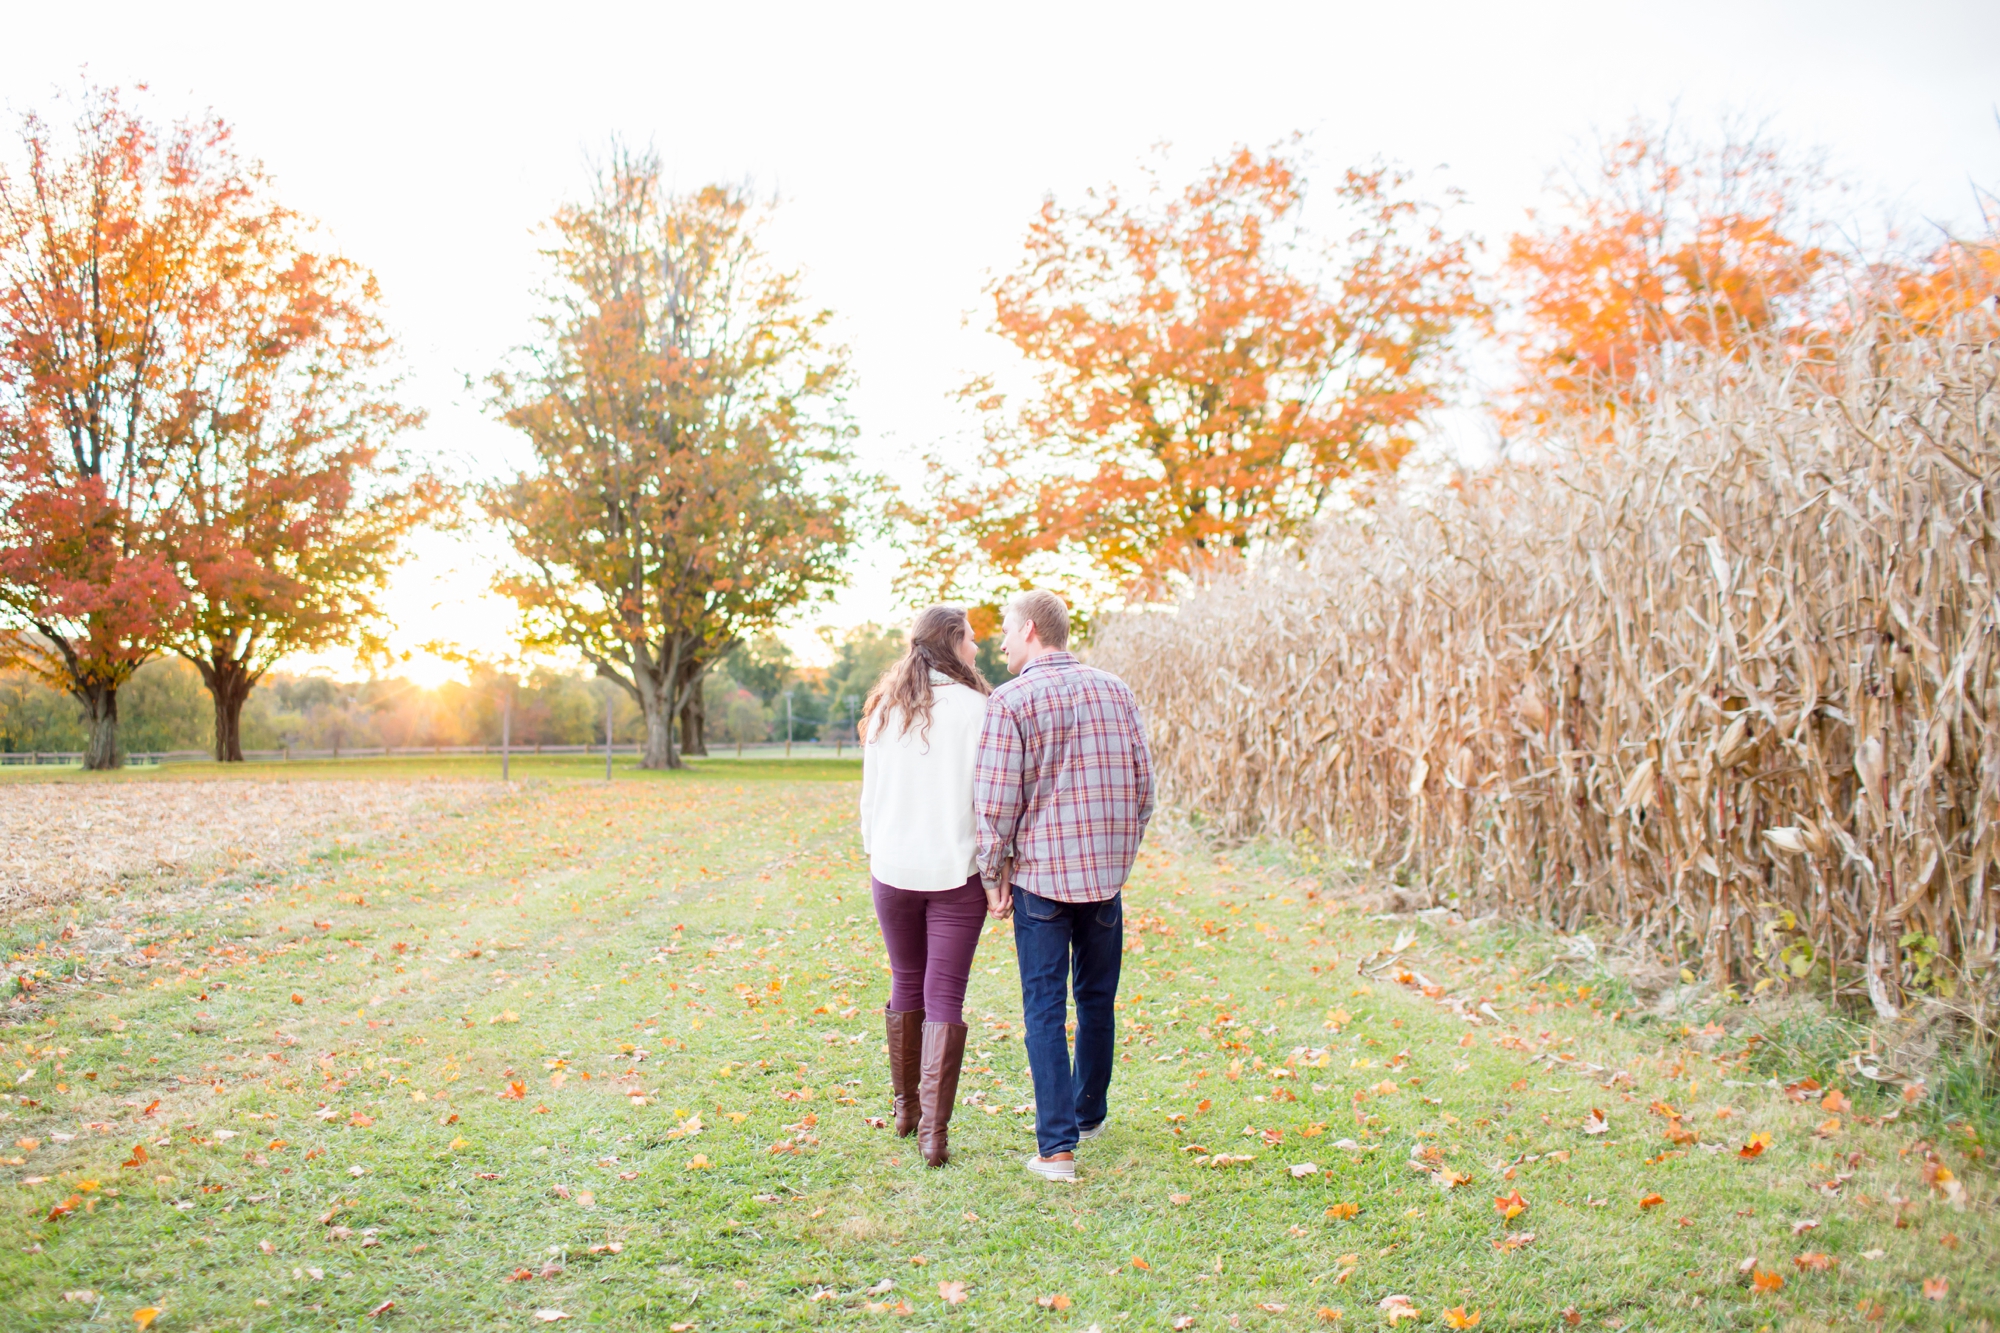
x: 937, y: 1088
x: 906, y: 1053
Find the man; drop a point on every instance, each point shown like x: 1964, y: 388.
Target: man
x: 1062, y: 788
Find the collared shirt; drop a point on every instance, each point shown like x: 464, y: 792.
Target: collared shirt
x: 1063, y: 785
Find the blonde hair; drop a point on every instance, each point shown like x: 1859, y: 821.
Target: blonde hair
x: 1046, y: 612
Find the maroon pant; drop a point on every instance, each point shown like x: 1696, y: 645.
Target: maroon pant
x: 930, y: 938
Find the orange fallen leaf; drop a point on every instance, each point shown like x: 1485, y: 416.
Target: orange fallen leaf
x: 1057, y: 1301
x: 1343, y: 1211
x: 1141, y: 1264
x: 1829, y: 1128
x: 145, y: 1315
x: 1836, y: 1101
x: 1651, y: 1201
x: 952, y: 1292
x: 698, y: 1162
x: 1331, y: 1314
x: 514, y: 1092
x: 1516, y: 1241
x: 381, y: 1309
x: 1596, y: 1122
x: 139, y: 1157
x: 1572, y: 1316
x: 1178, y: 1199
x: 1813, y: 1261
x: 1456, y: 1317
x: 1913, y: 1092
x: 1510, y: 1205
x: 1936, y: 1289
x: 1755, y: 1147
x: 1763, y: 1281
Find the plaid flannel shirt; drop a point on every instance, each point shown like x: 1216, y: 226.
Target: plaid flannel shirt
x: 1063, y: 785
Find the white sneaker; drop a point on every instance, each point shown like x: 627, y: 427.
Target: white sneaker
x: 1096, y: 1131
x: 1047, y: 1170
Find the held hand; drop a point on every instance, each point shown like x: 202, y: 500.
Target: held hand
x: 1000, y: 902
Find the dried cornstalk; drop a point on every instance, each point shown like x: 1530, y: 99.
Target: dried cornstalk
x: 1738, y: 662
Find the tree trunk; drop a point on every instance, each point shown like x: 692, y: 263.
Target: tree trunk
x: 100, y: 714
x: 661, y: 751
x: 656, y: 703
x: 229, y: 683
x: 694, y: 723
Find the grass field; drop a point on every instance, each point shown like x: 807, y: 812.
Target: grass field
x: 611, y: 1054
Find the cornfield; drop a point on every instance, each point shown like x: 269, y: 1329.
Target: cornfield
x: 1722, y: 676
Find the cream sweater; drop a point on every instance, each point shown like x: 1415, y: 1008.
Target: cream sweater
x: 916, y: 793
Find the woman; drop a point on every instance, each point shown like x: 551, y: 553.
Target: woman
x: 920, y: 730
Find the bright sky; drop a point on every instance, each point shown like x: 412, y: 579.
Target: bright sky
x: 912, y: 144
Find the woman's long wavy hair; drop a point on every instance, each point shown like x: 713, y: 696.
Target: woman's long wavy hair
x: 905, y: 688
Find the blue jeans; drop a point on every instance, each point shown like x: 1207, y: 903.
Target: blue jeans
x: 1064, y: 947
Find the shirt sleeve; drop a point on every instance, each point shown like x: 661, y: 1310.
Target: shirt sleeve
x: 1142, y: 764
x: 996, y: 790
x: 869, y: 786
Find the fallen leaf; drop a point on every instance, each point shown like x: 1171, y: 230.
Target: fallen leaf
x: 1272, y: 1307
x: 1651, y: 1201
x: 145, y: 1315
x: 1572, y: 1316
x: 1829, y: 1128
x: 1936, y: 1288
x: 1179, y: 1199
x: 1813, y: 1261
x: 1763, y: 1281
x: 1185, y: 1321
x: 952, y: 1292
x: 698, y: 1162
x: 1516, y: 1241
x: 1510, y: 1205
x: 550, y: 1316
x: 381, y: 1309
x: 1456, y: 1317
x: 1058, y: 1301
x: 1754, y: 1147
x: 138, y: 1158
x: 1141, y: 1264
x: 1397, y: 1308
x: 1304, y: 1169
x: 1342, y: 1211
x: 1836, y: 1102
x: 1596, y: 1122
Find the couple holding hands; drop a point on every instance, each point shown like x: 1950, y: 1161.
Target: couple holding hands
x: 1024, y: 802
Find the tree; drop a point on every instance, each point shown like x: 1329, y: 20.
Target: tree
x: 1207, y: 376
x: 691, y: 479
x: 291, y: 499
x: 102, y: 234
x: 1662, y: 243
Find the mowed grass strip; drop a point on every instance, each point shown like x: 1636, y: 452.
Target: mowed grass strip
x: 613, y: 1053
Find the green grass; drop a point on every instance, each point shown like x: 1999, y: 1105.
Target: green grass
x: 718, y: 920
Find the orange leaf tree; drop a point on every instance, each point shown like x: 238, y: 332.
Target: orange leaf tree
x: 1663, y: 243
x: 101, y: 232
x: 1206, y: 375
x: 291, y: 499
x: 691, y: 478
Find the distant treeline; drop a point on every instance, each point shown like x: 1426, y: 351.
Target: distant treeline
x: 165, y: 706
